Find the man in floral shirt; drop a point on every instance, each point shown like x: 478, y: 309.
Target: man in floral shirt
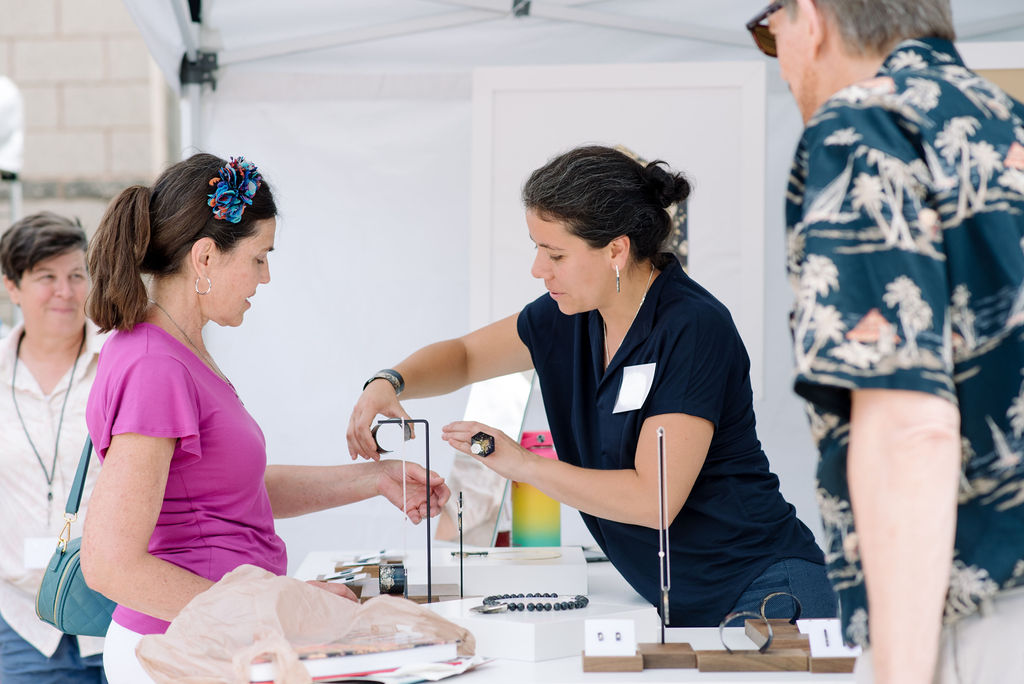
x: 905, y: 214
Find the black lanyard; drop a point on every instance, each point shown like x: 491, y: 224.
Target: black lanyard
x: 60, y: 423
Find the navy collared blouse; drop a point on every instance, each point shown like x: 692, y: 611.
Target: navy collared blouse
x: 735, y: 523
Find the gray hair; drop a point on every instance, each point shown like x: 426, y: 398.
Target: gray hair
x: 874, y: 27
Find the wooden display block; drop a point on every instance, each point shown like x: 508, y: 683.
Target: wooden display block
x: 786, y: 635
x: 792, y: 660
x: 633, y: 663
x: 658, y: 656
x: 830, y: 665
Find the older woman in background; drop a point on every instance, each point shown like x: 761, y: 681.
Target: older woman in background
x: 47, y: 366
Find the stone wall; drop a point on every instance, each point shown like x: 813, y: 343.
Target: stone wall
x: 96, y: 107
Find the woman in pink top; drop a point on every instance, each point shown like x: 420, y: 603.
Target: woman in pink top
x: 185, y: 493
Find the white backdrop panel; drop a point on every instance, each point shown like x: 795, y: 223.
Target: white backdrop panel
x: 362, y: 274
x: 706, y: 120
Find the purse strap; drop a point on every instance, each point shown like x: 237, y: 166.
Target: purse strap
x: 75, y: 495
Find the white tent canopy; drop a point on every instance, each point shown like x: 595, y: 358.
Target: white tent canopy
x: 361, y: 113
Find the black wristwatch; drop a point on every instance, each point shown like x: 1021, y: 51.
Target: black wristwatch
x: 392, y: 376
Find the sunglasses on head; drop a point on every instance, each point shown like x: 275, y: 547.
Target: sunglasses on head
x: 758, y: 27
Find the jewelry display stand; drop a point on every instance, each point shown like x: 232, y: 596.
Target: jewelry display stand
x: 426, y: 451
x: 786, y: 635
x: 790, y: 636
x: 783, y: 645
x: 533, y: 636
x: 661, y: 655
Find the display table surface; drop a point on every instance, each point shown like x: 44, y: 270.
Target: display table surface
x: 605, y: 584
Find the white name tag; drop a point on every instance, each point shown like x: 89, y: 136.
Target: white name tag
x: 636, y: 383
x: 825, y: 637
x: 38, y: 551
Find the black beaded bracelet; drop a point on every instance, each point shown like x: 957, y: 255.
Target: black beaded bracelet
x: 553, y: 603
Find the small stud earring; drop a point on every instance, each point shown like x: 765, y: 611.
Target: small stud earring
x: 600, y: 636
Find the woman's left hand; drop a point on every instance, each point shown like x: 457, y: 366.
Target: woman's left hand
x: 508, y: 459
x: 336, y: 589
x: 389, y: 485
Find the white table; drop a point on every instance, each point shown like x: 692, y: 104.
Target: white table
x: 605, y: 583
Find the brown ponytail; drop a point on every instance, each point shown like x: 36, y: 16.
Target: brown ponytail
x: 118, y: 299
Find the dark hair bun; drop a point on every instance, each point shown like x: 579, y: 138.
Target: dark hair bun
x: 666, y: 188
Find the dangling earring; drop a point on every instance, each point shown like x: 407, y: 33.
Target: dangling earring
x: 209, y: 286
x: 618, y: 283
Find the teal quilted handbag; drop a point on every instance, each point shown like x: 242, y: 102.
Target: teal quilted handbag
x: 64, y: 600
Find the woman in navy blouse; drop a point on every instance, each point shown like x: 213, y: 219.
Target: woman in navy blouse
x: 624, y: 343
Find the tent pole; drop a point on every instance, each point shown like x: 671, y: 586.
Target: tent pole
x: 188, y: 29
x: 190, y: 100
x: 191, y: 129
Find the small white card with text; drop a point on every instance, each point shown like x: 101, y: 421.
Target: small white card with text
x: 826, y: 638
x: 609, y: 637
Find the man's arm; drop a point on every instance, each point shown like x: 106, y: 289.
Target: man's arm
x: 903, y: 470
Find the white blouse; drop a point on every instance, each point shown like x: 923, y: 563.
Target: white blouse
x: 25, y: 512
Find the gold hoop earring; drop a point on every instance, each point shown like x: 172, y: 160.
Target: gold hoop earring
x: 618, y: 283
x: 209, y: 286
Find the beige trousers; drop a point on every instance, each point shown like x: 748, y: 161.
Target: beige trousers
x: 984, y: 648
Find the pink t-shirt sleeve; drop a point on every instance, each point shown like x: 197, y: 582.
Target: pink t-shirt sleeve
x: 156, y: 397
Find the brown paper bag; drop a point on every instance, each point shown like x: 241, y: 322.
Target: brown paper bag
x: 251, y: 612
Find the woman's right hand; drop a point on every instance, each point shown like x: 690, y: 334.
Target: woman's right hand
x: 378, y: 398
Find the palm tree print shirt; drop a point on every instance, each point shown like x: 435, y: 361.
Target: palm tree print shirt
x: 905, y: 215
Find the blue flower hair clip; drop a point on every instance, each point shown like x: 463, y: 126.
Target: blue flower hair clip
x: 236, y: 185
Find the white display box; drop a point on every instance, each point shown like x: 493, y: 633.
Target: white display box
x: 542, y: 636
x: 504, y: 570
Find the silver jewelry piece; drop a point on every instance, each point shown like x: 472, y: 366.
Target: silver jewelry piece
x: 618, y: 282
x: 209, y: 286
x: 202, y: 354
x: 733, y: 616
x: 607, y: 355
x: 600, y: 636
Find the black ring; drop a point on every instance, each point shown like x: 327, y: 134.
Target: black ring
x: 744, y: 614
x: 796, y: 613
x: 481, y: 444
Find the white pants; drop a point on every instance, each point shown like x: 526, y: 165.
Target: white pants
x: 119, y: 661
x: 984, y: 648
